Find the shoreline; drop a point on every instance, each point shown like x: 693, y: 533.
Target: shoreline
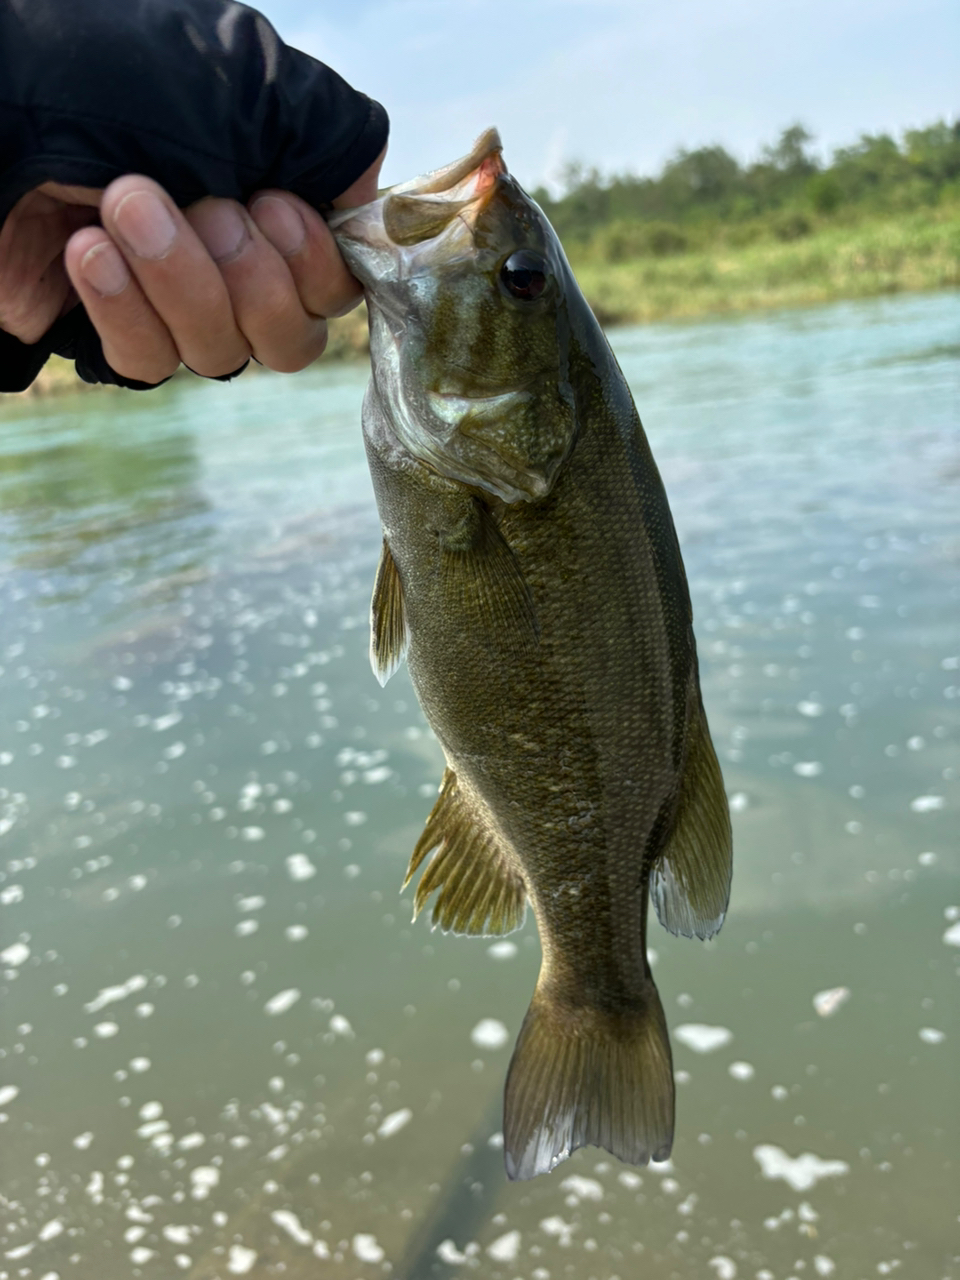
x: 914, y: 253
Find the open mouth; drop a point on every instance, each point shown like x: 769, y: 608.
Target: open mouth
x: 421, y: 209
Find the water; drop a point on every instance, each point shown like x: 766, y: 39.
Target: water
x: 224, y: 1049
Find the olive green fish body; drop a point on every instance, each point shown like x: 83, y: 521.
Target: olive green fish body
x: 545, y: 618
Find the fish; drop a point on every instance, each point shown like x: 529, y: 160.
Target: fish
x: 531, y: 576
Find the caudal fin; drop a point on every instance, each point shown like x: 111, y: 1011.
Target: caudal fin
x: 583, y: 1077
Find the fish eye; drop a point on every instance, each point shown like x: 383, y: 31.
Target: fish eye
x: 524, y: 275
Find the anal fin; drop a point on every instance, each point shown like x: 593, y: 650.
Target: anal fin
x: 479, y: 891
x: 388, y: 627
x: 690, y: 882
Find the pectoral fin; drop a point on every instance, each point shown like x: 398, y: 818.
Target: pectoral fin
x: 690, y: 883
x: 388, y: 627
x: 479, y: 890
x: 483, y: 580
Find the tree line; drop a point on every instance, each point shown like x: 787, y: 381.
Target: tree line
x: 706, y: 193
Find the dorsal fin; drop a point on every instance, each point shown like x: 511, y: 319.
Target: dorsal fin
x: 480, y: 892
x: 388, y: 627
x: 690, y: 883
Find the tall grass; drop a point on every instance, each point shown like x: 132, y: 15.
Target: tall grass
x: 910, y: 252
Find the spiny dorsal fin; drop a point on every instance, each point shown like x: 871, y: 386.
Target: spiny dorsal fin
x: 479, y: 890
x: 690, y: 884
x: 583, y: 1076
x: 480, y: 568
x: 388, y: 627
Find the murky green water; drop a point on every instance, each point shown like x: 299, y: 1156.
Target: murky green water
x: 224, y: 1049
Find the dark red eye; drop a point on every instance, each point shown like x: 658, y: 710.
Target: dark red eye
x: 524, y: 275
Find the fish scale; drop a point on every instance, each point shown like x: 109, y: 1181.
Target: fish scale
x: 532, y: 578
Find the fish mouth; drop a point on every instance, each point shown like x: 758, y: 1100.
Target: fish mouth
x: 410, y: 213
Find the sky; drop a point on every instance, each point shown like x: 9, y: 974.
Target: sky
x: 622, y: 84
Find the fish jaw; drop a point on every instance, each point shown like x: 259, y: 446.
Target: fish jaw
x: 474, y: 385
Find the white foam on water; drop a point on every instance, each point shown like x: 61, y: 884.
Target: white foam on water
x: 282, y: 1001
x: 190, y: 1141
x: 139, y: 1064
x: 12, y: 894
x: 290, y: 1223
x: 83, y: 1140
x: 252, y: 834
x: 808, y: 768
x: 810, y: 708
x: 355, y: 818
x: 502, y: 950
x: 177, y: 1234
x: 7, y: 1093
x: 702, y: 1038
x: 823, y: 1265
x: 394, y: 1122
x: 203, y: 1178
x: 105, y: 1030
x: 627, y: 1178
x: 828, y: 1002
x: 802, y: 1172
x: 151, y: 1111
x: 15, y: 955
x: 299, y: 867
x: 926, y: 804
x: 738, y: 802
x: 244, y: 928
x: 50, y: 1230
x: 340, y: 1026
x: 952, y: 936
x: 448, y: 1252
x: 505, y: 1248
x: 296, y: 932
x: 110, y: 995
x: 240, y: 1259
x: 251, y: 904
x: 141, y: 1255
x: 582, y: 1188
x: 930, y: 1035
x: 162, y: 723
x: 366, y: 1248
x: 725, y: 1268
x: 741, y: 1070
x: 556, y: 1226
x: 489, y: 1034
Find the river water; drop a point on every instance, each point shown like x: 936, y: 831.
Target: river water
x: 225, y: 1049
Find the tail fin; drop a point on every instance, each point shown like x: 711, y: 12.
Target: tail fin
x: 583, y: 1076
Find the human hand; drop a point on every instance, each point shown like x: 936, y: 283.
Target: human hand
x: 210, y: 285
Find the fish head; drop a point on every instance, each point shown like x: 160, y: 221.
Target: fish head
x: 469, y: 293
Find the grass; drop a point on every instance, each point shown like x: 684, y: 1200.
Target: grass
x: 905, y: 253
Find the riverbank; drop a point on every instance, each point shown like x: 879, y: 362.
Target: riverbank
x: 914, y: 252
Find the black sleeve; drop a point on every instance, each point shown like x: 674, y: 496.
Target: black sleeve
x: 201, y: 95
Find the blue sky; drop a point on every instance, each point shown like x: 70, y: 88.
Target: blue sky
x: 623, y: 84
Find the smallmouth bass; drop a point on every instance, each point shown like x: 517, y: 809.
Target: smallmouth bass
x: 531, y: 575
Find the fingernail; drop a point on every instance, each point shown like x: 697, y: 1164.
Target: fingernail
x: 145, y: 223
x: 104, y: 270
x: 280, y: 223
x: 220, y: 226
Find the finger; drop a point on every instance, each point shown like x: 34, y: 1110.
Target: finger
x: 266, y: 304
x: 178, y: 277
x: 136, y: 342
x: 306, y: 244
x: 33, y: 284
